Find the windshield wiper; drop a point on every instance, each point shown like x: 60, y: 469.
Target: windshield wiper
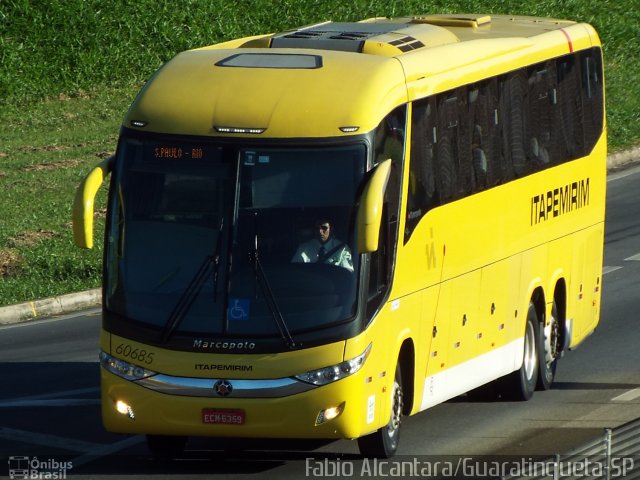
x: 216, y: 260
x: 190, y: 294
x: 270, y: 298
x: 187, y: 298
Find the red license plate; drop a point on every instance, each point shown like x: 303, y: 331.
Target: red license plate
x: 223, y: 416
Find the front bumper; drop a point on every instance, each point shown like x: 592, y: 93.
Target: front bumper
x: 162, y: 411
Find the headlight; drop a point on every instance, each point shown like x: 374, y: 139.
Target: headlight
x: 123, y: 369
x: 332, y: 373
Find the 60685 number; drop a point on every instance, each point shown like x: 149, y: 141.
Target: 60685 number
x: 139, y: 354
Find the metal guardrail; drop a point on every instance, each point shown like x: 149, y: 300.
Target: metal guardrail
x: 614, y: 454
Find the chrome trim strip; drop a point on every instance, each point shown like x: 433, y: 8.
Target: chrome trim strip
x: 204, y: 387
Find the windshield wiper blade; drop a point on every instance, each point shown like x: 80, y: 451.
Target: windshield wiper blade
x: 187, y: 298
x: 216, y: 260
x: 270, y: 298
x: 193, y: 289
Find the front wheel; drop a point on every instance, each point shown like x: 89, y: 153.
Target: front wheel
x: 383, y: 443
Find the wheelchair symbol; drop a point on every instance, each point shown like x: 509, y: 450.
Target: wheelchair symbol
x: 239, y: 309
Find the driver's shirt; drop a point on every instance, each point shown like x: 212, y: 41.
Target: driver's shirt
x: 335, y: 253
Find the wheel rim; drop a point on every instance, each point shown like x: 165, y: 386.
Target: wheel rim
x: 552, y: 341
x: 530, y: 358
x: 396, y: 412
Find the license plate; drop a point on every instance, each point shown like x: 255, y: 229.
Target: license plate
x: 223, y: 416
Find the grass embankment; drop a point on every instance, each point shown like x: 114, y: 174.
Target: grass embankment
x: 69, y: 69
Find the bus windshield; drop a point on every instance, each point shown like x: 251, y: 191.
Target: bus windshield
x: 208, y: 239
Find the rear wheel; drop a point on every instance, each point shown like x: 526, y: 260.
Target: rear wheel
x: 521, y: 384
x: 550, y: 347
x: 383, y: 443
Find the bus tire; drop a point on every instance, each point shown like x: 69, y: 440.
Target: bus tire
x: 549, y: 350
x: 166, y: 447
x: 521, y: 384
x: 383, y: 443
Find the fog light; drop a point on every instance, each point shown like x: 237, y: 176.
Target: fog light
x: 329, y: 414
x: 125, y: 409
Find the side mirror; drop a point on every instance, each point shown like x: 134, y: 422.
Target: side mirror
x: 83, y: 203
x: 370, y: 209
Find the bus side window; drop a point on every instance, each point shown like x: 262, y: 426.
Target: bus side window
x: 463, y: 135
x: 447, y: 147
x: 540, y: 151
x: 513, y: 102
x: 592, y: 87
x: 388, y: 143
x: 492, y: 141
x: 422, y: 195
x: 479, y: 126
x: 570, y: 109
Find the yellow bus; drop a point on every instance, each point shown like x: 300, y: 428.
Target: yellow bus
x: 314, y: 233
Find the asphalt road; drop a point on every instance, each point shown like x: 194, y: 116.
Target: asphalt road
x: 49, y: 401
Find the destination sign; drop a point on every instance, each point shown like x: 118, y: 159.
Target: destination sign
x: 178, y: 153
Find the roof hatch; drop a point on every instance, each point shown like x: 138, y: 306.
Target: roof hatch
x: 376, y: 37
x: 348, y: 37
x: 473, y: 21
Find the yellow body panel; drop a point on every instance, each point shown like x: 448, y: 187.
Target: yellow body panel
x: 287, y: 103
x: 365, y: 394
x: 478, y: 272
x: 287, y: 417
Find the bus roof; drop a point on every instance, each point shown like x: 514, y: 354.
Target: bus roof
x: 336, y: 78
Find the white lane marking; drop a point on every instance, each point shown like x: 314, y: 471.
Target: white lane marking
x: 633, y: 258
x: 627, y: 396
x: 54, y: 402
x: 37, y: 438
x: 607, y: 269
x: 62, y: 394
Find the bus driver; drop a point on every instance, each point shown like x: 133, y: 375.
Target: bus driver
x: 325, y: 248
